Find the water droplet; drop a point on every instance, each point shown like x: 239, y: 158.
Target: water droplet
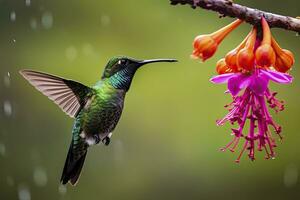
x: 33, y: 23
x: 47, y: 20
x: 105, y: 20
x: 13, y: 16
x: 62, y: 189
x: 40, y: 177
x: 71, y: 53
x: 27, y: 2
x: 14, y: 40
x: 10, y: 181
x: 7, y: 108
x: 6, y: 80
x: 24, y: 193
x: 290, y: 177
x: 2, y: 149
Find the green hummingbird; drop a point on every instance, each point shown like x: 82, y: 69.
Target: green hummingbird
x: 96, y: 109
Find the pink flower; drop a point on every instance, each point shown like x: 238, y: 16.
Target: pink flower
x: 250, y: 98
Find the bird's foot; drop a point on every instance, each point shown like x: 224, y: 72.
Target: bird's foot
x: 106, y: 141
x: 97, y: 139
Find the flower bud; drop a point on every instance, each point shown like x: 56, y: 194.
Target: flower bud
x: 245, y: 57
x: 264, y: 54
x: 231, y: 57
x: 284, y: 58
x: 205, y: 46
x: 222, y: 68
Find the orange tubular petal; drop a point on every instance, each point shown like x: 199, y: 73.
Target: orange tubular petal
x: 205, y: 46
x: 265, y: 55
x: 266, y: 32
x: 285, y: 58
x: 245, y: 57
x: 220, y: 34
x: 231, y: 57
x: 222, y: 68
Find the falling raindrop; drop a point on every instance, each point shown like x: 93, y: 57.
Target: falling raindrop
x: 62, y: 189
x: 71, y: 53
x: 10, y: 181
x: 33, y: 23
x: 13, y: 16
x: 40, y: 177
x: 7, y: 108
x: 290, y: 177
x: 105, y: 20
x: 2, y: 149
x: 6, y: 80
x: 27, y: 2
x: 47, y: 20
x: 24, y: 193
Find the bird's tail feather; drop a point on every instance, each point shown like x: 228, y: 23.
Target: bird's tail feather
x: 72, y: 168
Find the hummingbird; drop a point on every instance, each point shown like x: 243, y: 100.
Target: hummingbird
x: 96, y: 109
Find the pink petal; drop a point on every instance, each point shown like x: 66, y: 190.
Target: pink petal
x: 237, y: 83
x: 223, y: 78
x: 277, y: 77
x: 259, y: 84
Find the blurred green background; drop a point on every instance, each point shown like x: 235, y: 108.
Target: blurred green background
x: 166, y: 144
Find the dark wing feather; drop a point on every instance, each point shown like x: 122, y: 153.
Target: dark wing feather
x: 69, y: 95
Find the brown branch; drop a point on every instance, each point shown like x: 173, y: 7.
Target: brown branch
x: 250, y: 15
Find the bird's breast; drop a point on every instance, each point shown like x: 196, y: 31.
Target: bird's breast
x: 102, y: 112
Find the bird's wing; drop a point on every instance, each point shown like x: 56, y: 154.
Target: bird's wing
x: 69, y: 95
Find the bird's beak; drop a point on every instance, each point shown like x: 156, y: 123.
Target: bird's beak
x: 143, y: 62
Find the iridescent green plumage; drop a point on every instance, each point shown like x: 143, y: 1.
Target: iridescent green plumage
x: 96, y: 109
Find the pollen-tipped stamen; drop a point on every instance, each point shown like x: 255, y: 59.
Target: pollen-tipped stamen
x: 240, y: 155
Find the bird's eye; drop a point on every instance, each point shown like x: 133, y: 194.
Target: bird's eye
x: 122, y: 62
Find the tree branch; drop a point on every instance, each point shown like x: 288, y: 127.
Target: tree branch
x: 250, y: 15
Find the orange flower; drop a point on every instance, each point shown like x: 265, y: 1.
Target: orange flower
x: 205, y: 46
x: 231, y: 57
x: 245, y: 57
x: 222, y: 67
x: 265, y: 55
x: 284, y: 58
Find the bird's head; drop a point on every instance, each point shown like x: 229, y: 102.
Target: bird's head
x: 118, y: 64
x: 121, y: 69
